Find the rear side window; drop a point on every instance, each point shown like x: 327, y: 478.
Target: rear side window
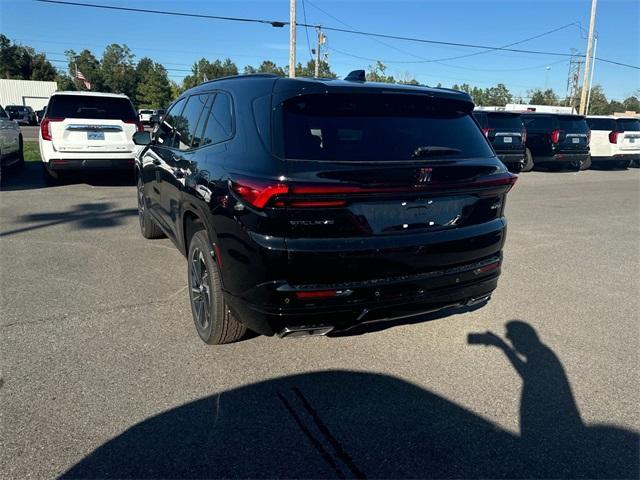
x: 538, y: 122
x: 378, y: 127
x: 164, y: 134
x: 98, y: 108
x: 628, y: 125
x: 573, y: 124
x: 218, y: 124
x: 601, y: 123
x: 505, y: 122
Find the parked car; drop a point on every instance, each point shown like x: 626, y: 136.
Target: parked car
x: 40, y: 115
x: 88, y: 131
x: 558, y: 140
x: 11, y: 151
x: 22, y: 114
x: 615, y: 141
x: 145, y: 116
x: 306, y: 206
x: 507, y: 135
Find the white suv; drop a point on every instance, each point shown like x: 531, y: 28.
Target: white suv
x: 615, y: 141
x: 88, y: 130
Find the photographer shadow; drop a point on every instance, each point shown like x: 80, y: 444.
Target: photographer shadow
x: 349, y: 424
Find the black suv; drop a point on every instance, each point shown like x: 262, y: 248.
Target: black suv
x: 507, y: 135
x: 307, y: 205
x: 558, y: 140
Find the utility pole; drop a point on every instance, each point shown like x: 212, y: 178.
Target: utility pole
x: 292, y: 38
x: 321, y: 40
x: 573, y: 80
x: 593, y: 67
x: 587, y: 60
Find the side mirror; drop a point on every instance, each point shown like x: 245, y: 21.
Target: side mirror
x: 142, y: 138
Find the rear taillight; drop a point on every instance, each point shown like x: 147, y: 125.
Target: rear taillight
x: 555, y: 136
x: 45, y: 127
x: 487, y: 131
x: 260, y: 193
x: 613, y: 136
x: 524, y: 136
x: 139, y: 126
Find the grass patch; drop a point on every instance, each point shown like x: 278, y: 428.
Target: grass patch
x: 31, y: 151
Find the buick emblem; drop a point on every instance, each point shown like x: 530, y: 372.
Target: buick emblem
x: 424, y: 174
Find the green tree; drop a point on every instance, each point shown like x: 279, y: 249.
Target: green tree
x: 88, y: 64
x: 378, y: 73
x: 614, y: 106
x: 547, y: 97
x: 41, y: 68
x: 498, y: 95
x: 153, y: 89
x: 204, y: 69
x: 267, y: 66
x: 118, y: 70
x: 632, y: 103
x: 65, y: 82
x: 23, y: 63
x: 598, y: 103
x: 309, y: 70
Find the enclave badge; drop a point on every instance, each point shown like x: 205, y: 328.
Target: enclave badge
x: 424, y: 174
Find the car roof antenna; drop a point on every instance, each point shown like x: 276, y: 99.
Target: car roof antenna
x: 356, y: 76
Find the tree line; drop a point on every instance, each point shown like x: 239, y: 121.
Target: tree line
x: 148, y: 85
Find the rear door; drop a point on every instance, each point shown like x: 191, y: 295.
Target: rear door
x: 92, y: 125
x: 600, y: 145
x: 574, y: 134
x: 629, y: 139
x: 373, y: 177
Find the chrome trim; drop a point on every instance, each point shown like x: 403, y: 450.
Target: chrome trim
x: 93, y: 128
x: 304, y: 331
x: 508, y: 134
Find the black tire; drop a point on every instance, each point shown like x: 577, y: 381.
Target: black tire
x: 20, y: 163
x: 586, y: 165
x: 624, y: 164
x: 148, y: 227
x: 576, y: 166
x: 528, y: 161
x: 213, y: 319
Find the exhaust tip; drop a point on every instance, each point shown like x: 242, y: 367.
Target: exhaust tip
x: 294, y: 332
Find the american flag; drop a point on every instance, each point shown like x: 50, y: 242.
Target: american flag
x: 80, y: 76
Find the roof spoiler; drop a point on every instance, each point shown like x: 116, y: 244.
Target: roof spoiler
x: 356, y: 76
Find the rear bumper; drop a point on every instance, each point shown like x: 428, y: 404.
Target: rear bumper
x: 563, y: 158
x: 91, y: 164
x: 620, y: 157
x: 371, y: 301
x: 511, y: 158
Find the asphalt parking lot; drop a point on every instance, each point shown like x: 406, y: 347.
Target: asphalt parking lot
x: 103, y: 374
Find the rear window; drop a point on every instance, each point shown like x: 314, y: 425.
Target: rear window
x: 99, y: 108
x: 150, y: 112
x: 378, y: 127
x: 538, y: 122
x: 502, y: 122
x: 573, y: 124
x: 628, y: 124
x: 601, y: 123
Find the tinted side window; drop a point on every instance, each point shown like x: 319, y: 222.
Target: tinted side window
x: 164, y: 134
x: 601, y: 123
x: 538, y: 122
x: 219, y: 122
x: 505, y: 121
x: 628, y: 125
x: 573, y: 124
x: 186, y: 124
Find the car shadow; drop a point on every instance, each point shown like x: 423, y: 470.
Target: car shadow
x: 347, y: 424
x: 82, y: 216
x: 32, y: 177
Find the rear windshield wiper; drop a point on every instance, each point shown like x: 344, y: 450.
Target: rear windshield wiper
x: 433, y: 150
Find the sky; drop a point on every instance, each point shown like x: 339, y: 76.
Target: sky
x: 177, y: 42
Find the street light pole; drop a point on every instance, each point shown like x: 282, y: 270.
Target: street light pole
x: 587, y: 60
x: 292, y: 38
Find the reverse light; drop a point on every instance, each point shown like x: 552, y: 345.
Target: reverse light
x: 45, y: 127
x: 613, y: 136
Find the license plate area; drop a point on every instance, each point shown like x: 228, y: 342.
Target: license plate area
x: 95, y: 135
x: 507, y: 139
x: 575, y: 140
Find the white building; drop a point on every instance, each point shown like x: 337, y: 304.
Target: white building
x: 32, y: 93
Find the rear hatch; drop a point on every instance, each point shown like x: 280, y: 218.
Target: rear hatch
x: 629, y: 138
x: 573, y: 136
x: 505, y: 131
x: 91, y: 124
x: 383, y: 184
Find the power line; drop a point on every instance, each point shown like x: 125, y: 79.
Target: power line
x: 306, y: 29
x: 276, y: 23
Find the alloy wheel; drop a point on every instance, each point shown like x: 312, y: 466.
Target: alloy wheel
x: 200, y: 289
